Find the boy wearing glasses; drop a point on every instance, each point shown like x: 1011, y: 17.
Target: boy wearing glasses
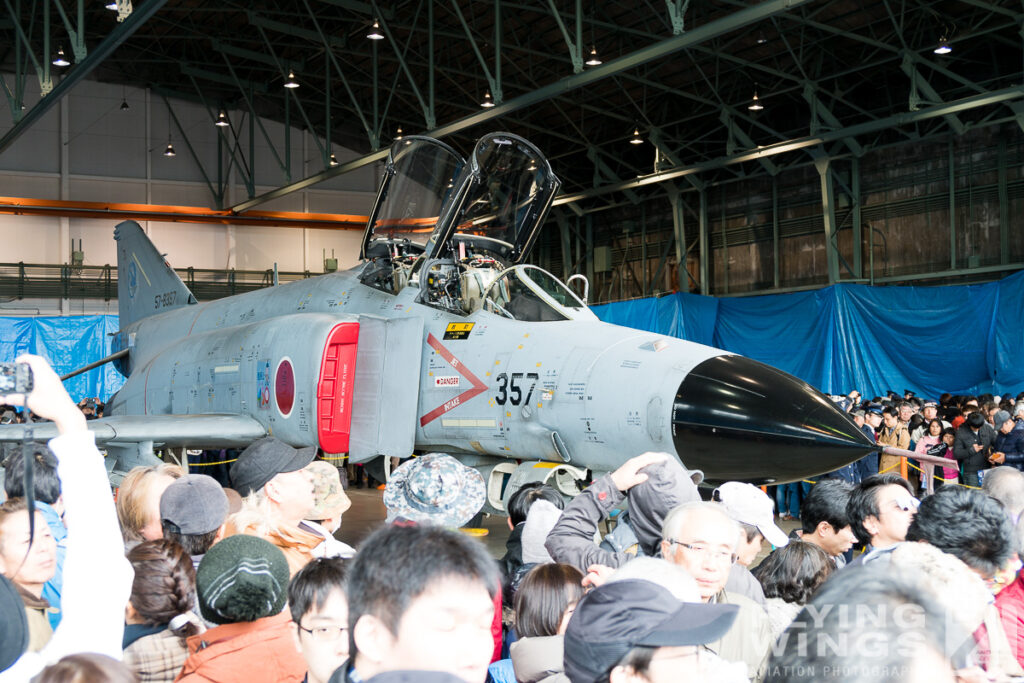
x: 319, y: 608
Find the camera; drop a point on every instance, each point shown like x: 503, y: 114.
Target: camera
x: 15, y: 378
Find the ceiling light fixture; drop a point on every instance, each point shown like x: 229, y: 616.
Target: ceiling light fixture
x: 111, y: 6
x: 333, y: 160
x: 169, y: 152
x: 291, y: 82
x: 375, y: 33
x: 398, y: 133
x: 124, y: 104
x: 944, y: 48
x: 755, y: 102
x: 594, y: 60
x: 222, y: 120
x: 59, y: 59
x: 488, y: 101
x: 636, y: 139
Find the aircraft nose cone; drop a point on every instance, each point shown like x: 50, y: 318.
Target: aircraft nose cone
x: 737, y: 418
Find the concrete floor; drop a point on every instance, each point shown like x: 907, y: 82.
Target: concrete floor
x: 367, y: 513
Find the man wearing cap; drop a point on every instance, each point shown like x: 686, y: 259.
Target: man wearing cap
x: 702, y: 539
x: 192, y: 512
x: 929, y: 412
x: 646, y: 623
x: 277, y: 490
x: 1009, y: 443
x: 754, y: 511
x: 329, y: 503
x: 242, y: 585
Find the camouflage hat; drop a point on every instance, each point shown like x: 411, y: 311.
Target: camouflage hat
x: 434, y: 488
x: 329, y: 498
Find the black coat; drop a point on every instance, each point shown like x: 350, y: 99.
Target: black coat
x: 963, y: 446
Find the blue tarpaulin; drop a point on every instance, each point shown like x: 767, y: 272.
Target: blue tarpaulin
x: 959, y: 338
x: 68, y: 343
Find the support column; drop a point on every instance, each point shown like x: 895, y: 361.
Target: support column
x: 858, y: 236
x: 563, y: 229
x: 705, y: 243
x: 1004, y: 207
x: 305, y: 201
x: 590, y: 250
x: 828, y: 213
x: 675, y: 198
x: 150, y: 148
x: 65, y: 193
x: 775, y: 232
x: 952, y: 209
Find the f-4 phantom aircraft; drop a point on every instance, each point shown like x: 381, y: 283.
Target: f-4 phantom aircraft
x: 445, y: 339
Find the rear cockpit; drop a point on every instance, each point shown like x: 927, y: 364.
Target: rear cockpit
x: 460, y: 231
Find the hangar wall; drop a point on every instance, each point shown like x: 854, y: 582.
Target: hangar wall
x: 945, y: 209
x: 88, y: 149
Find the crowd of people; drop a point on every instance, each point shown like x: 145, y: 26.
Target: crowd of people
x: 638, y: 578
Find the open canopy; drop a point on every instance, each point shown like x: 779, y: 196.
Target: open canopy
x: 502, y: 199
x: 419, y: 177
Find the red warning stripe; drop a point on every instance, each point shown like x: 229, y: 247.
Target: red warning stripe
x: 477, y: 388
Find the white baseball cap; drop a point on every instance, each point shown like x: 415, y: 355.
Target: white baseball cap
x: 750, y: 505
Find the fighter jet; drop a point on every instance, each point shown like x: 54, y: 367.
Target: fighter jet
x: 444, y: 339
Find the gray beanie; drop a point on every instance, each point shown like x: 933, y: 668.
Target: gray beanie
x: 240, y: 579
x: 1000, y: 418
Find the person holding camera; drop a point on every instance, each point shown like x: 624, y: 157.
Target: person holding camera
x: 97, y: 577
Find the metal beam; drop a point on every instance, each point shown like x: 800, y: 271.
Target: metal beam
x: 261, y: 57
x: 705, y: 243
x: 207, y: 75
x: 118, y: 35
x: 818, y: 107
x: 920, y: 83
x: 289, y: 30
x: 902, y: 119
x: 658, y: 50
x: 828, y: 215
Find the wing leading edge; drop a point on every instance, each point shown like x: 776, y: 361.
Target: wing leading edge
x: 207, y: 431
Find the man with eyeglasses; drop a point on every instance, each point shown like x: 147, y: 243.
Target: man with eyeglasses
x: 319, y: 608
x: 702, y: 539
x: 646, y: 624
x: 880, y: 511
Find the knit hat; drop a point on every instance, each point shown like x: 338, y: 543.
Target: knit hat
x: 434, y: 488
x: 13, y: 625
x: 329, y: 498
x: 240, y: 579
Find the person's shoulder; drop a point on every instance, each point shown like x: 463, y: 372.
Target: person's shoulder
x: 742, y: 601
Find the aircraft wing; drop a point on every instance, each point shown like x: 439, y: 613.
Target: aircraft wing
x: 198, y: 431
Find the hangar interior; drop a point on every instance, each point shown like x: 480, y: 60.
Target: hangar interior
x: 722, y: 148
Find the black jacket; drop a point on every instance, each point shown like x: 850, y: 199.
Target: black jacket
x: 963, y: 446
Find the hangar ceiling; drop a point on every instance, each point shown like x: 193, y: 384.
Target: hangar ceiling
x: 833, y: 77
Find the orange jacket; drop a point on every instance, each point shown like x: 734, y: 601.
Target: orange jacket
x: 260, y: 651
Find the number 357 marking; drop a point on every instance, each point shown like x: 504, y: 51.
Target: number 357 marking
x: 511, y: 391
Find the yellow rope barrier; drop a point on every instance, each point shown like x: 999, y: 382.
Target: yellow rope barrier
x: 210, y: 464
